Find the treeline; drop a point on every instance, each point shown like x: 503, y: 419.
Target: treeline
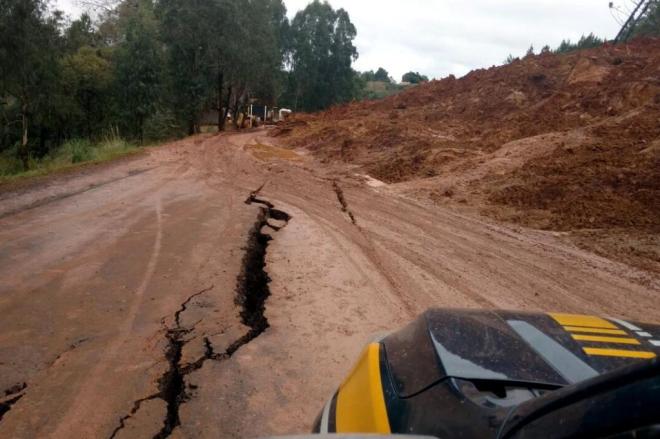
x: 382, y: 75
x: 151, y: 69
x: 647, y: 25
x: 566, y: 46
x: 379, y: 84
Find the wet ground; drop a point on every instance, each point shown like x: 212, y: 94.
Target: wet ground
x: 221, y: 286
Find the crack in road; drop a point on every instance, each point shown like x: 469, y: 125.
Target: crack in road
x: 184, y: 305
x: 252, y: 285
x: 11, y: 397
x: 72, y: 347
x: 342, y: 201
x: 252, y: 291
x: 171, y: 384
x: 137, y: 405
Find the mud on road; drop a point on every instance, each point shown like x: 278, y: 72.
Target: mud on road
x: 221, y: 286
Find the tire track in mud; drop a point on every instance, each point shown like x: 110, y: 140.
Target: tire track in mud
x: 252, y: 291
x: 370, y: 251
x: 79, y: 409
x: 58, y: 197
x: 342, y: 201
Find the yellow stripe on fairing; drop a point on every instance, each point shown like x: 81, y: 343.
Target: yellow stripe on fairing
x: 581, y: 320
x: 619, y: 353
x: 601, y: 339
x: 595, y: 330
x: 360, y: 401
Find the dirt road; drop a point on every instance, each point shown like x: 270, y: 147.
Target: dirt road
x: 132, y: 297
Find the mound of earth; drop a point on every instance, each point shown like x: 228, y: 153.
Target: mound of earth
x: 569, y: 143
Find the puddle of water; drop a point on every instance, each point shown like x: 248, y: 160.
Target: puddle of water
x: 269, y: 152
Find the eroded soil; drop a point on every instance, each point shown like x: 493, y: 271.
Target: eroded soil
x: 221, y: 286
x: 565, y: 143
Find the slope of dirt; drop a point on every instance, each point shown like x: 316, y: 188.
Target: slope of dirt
x: 559, y: 142
x: 220, y: 287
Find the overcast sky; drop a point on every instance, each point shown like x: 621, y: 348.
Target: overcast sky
x: 442, y: 37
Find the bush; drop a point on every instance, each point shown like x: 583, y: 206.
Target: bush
x: 162, y: 125
x: 9, y: 162
x: 72, y: 152
x: 75, y: 151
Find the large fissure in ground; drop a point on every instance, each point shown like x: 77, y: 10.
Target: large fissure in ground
x: 252, y: 291
x: 10, y: 397
x: 252, y: 286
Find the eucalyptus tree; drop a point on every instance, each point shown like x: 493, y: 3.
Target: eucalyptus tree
x: 86, y: 76
x: 30, y: 41
x: 322, y: 53
x: 187, y: 32
x: 138, y: 62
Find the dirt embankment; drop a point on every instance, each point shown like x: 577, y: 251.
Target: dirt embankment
x: 569, y: 143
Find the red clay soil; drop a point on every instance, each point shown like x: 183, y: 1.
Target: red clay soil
x: 559, y: 142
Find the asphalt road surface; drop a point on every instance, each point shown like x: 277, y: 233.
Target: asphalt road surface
x: 135, y: 302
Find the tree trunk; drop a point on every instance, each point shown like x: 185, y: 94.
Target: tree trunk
x: 221, y: 80
x: 24, y: 153
x: 43, y: 133
x: 141, y: 129
x: 235, y: 114
x: 223, y: 125
x: 88, y: 114
x: 237, y: 105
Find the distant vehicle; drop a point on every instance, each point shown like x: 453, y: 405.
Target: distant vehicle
x: 284, y: 113
x: 477, y: 374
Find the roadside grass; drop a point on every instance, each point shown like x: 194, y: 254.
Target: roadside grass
x: 71, y: 154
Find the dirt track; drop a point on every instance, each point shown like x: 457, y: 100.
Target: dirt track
x: 118, y: 288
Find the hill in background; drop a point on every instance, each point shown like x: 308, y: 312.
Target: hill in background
x: 561, y: 142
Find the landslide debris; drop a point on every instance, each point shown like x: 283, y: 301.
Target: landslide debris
x: 558, y: 142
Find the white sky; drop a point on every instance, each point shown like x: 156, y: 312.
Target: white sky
x: 442, y: 37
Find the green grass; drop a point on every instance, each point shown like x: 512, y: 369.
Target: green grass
x: 70, y: 155
x: 380, y: 89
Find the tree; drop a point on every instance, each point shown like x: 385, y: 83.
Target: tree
x: 29, y: 45
x: 414, y: 78
x: 138, y: 61
x: 369, y: 76
x: 322, y: 53
x: 186, y: 29
x: 382, y: 75
x: 530, y: 51
x: 247, y: 52
x: 585, y: 42
x: 163, y: 63
x: 260, y: 60
x: 86, y: 77
x: 81, y: 33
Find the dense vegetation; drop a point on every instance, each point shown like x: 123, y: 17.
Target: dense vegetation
x: 379, y: 84
x: 149, y: 69
x: 414, y: 78
x: 144, y: 70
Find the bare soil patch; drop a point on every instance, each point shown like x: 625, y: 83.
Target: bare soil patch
x: 555, y: 142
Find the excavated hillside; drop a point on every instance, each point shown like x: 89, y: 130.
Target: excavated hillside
x: 569, y: 143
